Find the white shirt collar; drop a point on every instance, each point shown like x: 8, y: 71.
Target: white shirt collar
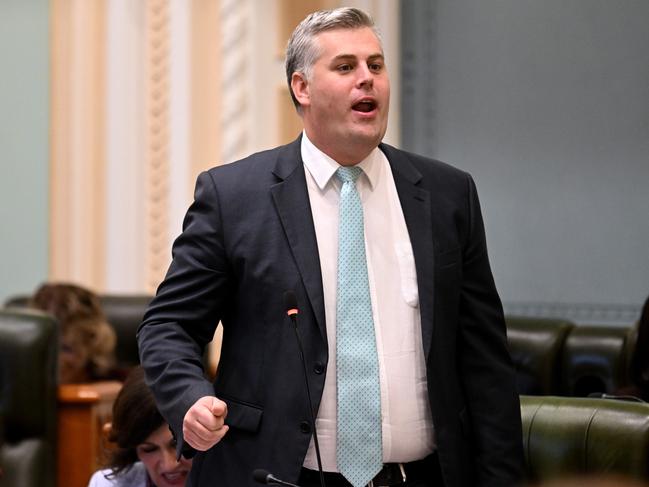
x: 322, y: 167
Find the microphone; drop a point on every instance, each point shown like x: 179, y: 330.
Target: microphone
x: 290, y: 304
x: 604, y: 395
x: 265, y: 477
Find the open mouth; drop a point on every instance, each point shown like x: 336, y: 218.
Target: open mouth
x: 175, y: 478
x: 364, y: 106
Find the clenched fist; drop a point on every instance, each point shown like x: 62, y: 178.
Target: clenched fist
x: 204, y: 424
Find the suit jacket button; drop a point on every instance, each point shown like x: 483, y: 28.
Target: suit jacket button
x: 319, y: 368
x: 305, y: 427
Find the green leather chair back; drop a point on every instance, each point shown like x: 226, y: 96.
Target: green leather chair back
x: 123, y: 312
x: 28, y: 381
x: 536, y: 346
x: 595, y: 360
x: 574, y: 436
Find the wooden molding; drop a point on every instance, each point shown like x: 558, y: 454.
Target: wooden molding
x: 157, y: 142
x: 77, y: 142
x: 205, y: 87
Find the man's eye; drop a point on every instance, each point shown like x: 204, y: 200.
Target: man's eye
x: 376, y: 67
x: 344, y: 67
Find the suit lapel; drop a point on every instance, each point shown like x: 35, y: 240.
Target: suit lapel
x: 291, y: 200
x: 416, y: 206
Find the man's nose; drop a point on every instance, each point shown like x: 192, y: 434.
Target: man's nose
x: 365, y: 77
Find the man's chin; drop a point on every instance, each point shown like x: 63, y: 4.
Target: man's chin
x: 369, y: 137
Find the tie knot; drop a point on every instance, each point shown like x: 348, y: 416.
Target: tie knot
x: 348, y: 174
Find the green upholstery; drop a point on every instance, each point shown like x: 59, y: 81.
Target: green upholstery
x: 28, y: 379
x: 557, y: 357
x: 570, y: 436
x: 20, y: 301
x: 536, y: 346
x: 595, y: 360
x: 124, y: 313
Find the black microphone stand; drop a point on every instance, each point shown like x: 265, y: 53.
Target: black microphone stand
x: 265, y: 477
x: 292, y: 310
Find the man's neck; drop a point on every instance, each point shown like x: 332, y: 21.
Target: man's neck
x: 349, y: 157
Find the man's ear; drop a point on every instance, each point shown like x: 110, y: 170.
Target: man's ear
x: 300, y: 88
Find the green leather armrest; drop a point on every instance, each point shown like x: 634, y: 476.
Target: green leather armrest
x: 566, y: 436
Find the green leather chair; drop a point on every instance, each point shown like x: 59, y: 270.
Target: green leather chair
x: 595, y: 360
x: 536, y: 347
x: 28, y: 381
x: 575, y: 436
x: 123, y: 312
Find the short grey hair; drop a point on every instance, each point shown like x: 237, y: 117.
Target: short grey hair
x: 302, y: 52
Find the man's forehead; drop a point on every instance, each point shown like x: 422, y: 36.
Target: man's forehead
x: 328, y: 42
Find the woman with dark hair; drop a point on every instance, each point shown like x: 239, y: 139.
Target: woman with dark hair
x: 87, y: 341
x: 145, y: 451
x: 639, y: 367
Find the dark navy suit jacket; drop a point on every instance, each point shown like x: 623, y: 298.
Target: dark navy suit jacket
x: 249, y: 237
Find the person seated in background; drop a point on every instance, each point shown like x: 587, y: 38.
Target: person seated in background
x: 87, y: 341
x: 639, y: 368
x: 145, y: 452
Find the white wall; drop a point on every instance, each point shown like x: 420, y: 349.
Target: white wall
x: 24, y: 144
x: 547, y: 105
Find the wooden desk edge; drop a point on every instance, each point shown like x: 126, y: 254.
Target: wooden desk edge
x: 88, y: 393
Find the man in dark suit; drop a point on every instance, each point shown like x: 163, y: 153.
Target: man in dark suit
x: 437, y: 399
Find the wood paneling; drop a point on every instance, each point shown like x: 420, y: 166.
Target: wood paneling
x: 290, y: 123
x: 291, y: 13
x: 83, y: 411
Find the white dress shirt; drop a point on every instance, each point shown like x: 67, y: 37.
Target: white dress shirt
x: 407, y: 425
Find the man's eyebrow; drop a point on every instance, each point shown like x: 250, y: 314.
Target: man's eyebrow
x: 371, y: 57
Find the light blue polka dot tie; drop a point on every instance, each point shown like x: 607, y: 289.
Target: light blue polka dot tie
x: 359, y: 450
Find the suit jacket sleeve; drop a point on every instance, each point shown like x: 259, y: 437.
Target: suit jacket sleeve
x: 183, y: 316
x: 485, y: 365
